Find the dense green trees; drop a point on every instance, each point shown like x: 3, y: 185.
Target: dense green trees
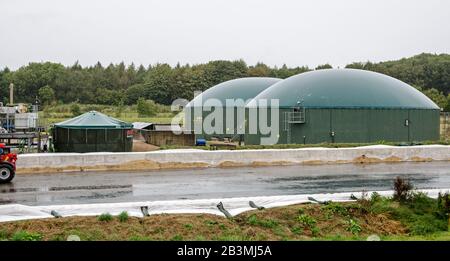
x: 4, y: 83
x: 29, y: 79
x: 46, y: 95
x: 324, y: 66
x: 134, y: 92
x: 75, y: 109
x: 437, y: 96
x: 423, y: 70
x: 146, y: 108
x: 120, y: 84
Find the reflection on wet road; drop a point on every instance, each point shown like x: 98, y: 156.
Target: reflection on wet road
x: 94, y: 187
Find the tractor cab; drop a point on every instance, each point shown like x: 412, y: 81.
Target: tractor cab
x: 7, y: 164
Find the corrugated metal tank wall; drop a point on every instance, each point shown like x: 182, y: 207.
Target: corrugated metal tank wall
x: 358, y: 126
x: 92, y: 140
x: 233, y: 131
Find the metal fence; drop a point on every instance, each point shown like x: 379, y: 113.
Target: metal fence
x: 445, y: 125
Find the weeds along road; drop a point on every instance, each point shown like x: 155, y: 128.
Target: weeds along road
x: 95, y: 187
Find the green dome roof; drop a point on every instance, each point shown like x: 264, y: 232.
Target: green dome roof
x: 345, y: 88
x: 242, y: 88
x: 94, y: 120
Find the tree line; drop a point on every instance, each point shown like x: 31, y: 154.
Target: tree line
x: 119, y: 84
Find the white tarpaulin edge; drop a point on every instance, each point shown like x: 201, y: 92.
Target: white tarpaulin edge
x: 234, y: 206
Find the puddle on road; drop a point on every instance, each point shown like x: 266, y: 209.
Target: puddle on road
x: 89, y: 187
x: 12, y: 189
x: 390, y: 177
x: 97, y: 196
x: 303, y: 185
x: 17, y: 190
x: 217, y: 183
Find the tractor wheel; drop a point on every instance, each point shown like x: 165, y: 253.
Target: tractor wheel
x: 6, y: 173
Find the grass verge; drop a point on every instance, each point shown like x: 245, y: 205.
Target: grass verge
x: 416, y: 217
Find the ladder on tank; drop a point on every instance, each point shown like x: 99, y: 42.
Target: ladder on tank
x: 296, y: 116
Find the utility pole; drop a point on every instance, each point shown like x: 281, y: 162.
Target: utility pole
x: 11, y: 93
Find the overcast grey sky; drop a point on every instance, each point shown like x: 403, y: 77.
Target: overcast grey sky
x: 195, y: 31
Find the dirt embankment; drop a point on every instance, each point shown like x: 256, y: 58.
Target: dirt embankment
x: 296, y: 222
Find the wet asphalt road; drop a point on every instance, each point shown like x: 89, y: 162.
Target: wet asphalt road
x: 95, y: 187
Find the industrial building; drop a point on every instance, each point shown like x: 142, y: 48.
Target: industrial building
x: 20, y: 126
x: 242, y: 90
x: 93, y: 132
x: 163, y: 134
x: 348, y: 106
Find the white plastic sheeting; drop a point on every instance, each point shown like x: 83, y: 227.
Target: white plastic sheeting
x: 234, y: 206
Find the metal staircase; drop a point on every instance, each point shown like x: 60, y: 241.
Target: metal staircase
x: 296, y: 116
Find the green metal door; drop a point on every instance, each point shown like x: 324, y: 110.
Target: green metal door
x: 423, y: 125
x: 369, y: 125
x: 316, y: 128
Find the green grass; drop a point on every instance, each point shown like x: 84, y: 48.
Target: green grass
x: 211, y: 223
x: 354, y: 227
x: 177, y: 238
x: 26, y: 236
x: 420, y: 213
x: 298, y: 230
x: 310, y: 223
x: 417, y: 217
x: 335, y: 208
x: 105, y: 217
x: 307, y: 220
x: 437, y: 236
x: 62, y: 112
x: 139, y: 238
x: 3, y: 235
x: 123, y: 216
x: 255, y: 221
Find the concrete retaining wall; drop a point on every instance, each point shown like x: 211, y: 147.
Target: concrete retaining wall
x: 191, y: 158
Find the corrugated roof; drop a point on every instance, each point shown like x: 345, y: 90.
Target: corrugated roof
x: 166, y: 127
x: 345, y: 88
x: 141, y: 125
x: 94, y: 120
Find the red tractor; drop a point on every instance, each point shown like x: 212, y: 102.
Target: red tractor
x: 7, y: 164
